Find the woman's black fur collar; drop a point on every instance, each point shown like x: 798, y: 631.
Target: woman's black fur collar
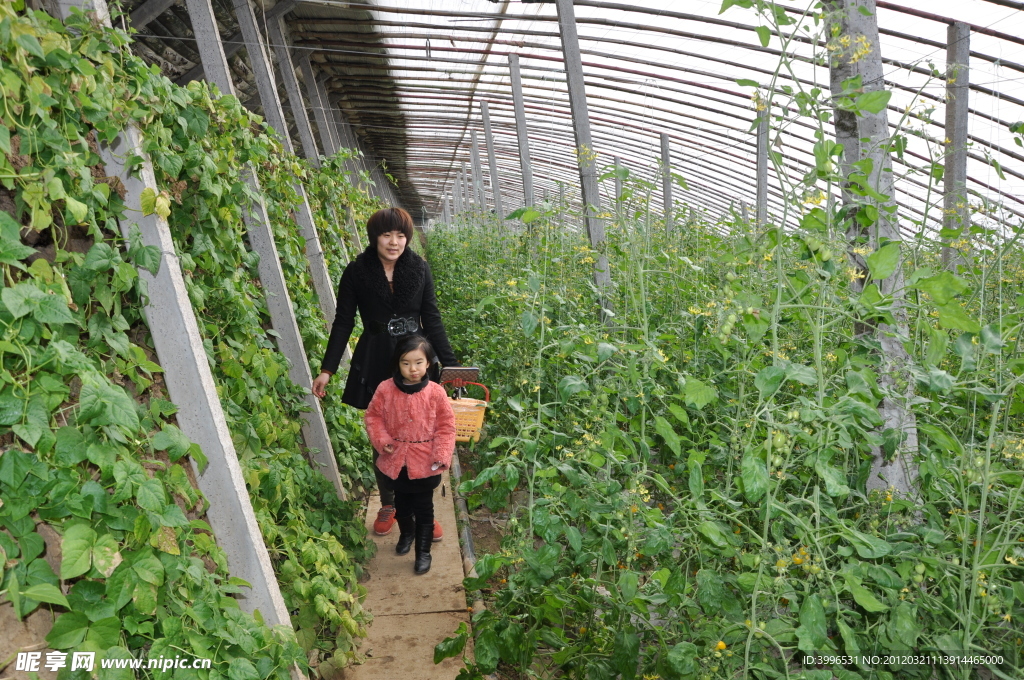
x: 407, y: 278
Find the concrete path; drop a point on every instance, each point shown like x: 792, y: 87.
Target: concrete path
x: 413, y: 613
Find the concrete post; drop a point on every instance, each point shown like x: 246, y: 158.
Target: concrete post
x: 332, y: 128
x: 318, y: 105
x: 521, y: 134
x: 865, y: 136
x: 446, y: 213
x: 179, y: 347
x: 274, y: 113
x: 261, y: 238
x: 147, y: 11
x: 956, y: 210
x: 666, y: 181
x: 762, y: 169
x: 467, y: 191
x: 587, y: 156
x: 492, y: 162
x: 478, y: 175
x: 291, y: 85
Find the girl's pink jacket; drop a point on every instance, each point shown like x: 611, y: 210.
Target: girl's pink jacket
x: 400, y: 419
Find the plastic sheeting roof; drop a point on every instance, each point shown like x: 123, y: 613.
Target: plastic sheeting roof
x: 651, y: 68
x: 410, y: 75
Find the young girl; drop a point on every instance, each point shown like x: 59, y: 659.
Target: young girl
x: 412, y: 426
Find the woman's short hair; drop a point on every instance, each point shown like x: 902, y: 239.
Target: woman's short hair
x: 388, y: 219
x: 409, y: 343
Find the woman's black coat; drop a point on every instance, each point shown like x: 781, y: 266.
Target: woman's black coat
x: 364, y: 286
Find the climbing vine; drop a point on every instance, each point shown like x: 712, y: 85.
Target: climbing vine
x: 102, y: 520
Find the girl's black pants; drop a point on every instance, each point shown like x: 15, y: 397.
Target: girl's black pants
x: 415, y: 497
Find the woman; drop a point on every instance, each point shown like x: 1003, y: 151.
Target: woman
x: 393, y: 290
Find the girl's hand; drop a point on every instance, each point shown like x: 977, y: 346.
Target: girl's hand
x: 388, y: 449
x: 320, y: 385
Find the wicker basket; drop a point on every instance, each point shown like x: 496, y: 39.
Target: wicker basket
x: 469, y: 413
x: 469, y: 418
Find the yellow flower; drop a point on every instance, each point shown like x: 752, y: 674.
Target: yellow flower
x: 720, y: 646
x: 767, y: 257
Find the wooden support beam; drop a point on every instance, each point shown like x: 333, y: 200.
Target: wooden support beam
x: 956, y: 209
x: 761, y: 168
x: 586, y: 154
x: 492, y: 163
x: 261, y: 238
x: 521, y: 133
x: 666, y: 182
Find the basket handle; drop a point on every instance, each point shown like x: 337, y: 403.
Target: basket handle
x: 458, y: 382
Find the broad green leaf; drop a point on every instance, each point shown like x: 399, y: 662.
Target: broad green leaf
x: 102, y: 403
x: 768, y: 380
x: 942, y: 287
x: 744, y: 82
x: 147, y: 201
x: 865, y: 598
x: 162, y: 206
x: 485, y: 650
x: 78, y: 210
x: 665, y: 431
x: 150, y: 570
x: 105, y: 555
x: 763, y: 34
x: 104, y: 633
x: 528, y: 321
x: 570, y: 385
x: 453, y: 646
x: 903, y: 626
x: 241, y: 668
x: 868, y: 547
x: 754, y: 473
x: 682, y: 658
x: 952, y: 316
x: 68, y: 631
x: 812, y: 633
x: 628, y: 583
x: 172, y: 440
x: 46, y: 592
x: 805, y: 375
x: 835, y: 483
x: 873, y: 102
x: 76, y: 551
x: 30, y: 44
x: 883, y: 262
x: 697, y: 394
x: 695, y: 482
x: 713, y: 532
x: 151, y: 495
x: 605, y: 351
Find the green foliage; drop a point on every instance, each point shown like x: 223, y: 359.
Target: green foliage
x: 90, y: 444
x: 682, y: 479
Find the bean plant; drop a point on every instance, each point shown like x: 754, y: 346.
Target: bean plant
x: 101, y: 521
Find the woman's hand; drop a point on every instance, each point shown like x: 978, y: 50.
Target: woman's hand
x: 388, y: 449
x: 320, y: 384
